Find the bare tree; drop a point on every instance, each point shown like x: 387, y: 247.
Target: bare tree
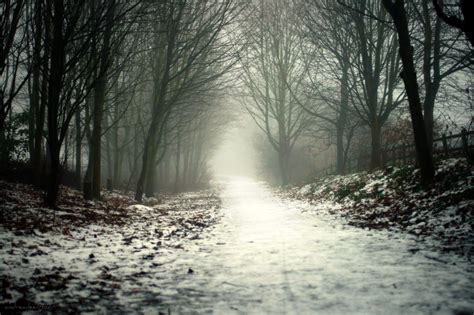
x: 188, y: 38
x: 374, y: 74
x: 464, y: 23
x: 423, y: 152
x: 12, y: 47
x: 327, y: 59
x: 442, y: 53
x: 99, y: 99
x: 67, y: 72
x: 273, y: 74
x: 38, y: 85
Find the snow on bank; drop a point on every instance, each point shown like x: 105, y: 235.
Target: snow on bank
x: 393, y: 199
x: 86, y: 252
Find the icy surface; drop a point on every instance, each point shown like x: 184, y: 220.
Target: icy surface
x: 268, y: 255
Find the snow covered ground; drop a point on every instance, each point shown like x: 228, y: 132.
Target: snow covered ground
x: 267, y: 255
x: 93, y: 259
x: 393, y: 199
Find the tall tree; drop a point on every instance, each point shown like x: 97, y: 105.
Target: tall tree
x: 188, y: 39
x: 273, y: 75
x: 114, y: 39
x: 328, y: 32
x: 37, y: 103
x: 442, y: 54
x: 374, y: 74
x: 12, y: 47
x: 398, y: 13
x: 68, y: 76
x: 100, y: 86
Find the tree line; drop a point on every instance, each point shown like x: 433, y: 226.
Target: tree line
x: 113, y: 90
x: 350, y: 69
x: 131, y: 94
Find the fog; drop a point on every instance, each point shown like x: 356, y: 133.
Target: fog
x: 236, y: 156
x: 282, y: 90
x: 236, y: 153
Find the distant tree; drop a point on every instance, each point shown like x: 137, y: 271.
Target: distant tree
x: 13, y: 73
x: 38, y: 86
x: 106, y: 47
x: 374, y: 75
x: 273, y: 74
x: 329, y: 32
x: 187, y: 41
x: 105, y: 55
x: 374, y: 80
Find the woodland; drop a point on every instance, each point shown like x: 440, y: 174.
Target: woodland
x: 357, y: 112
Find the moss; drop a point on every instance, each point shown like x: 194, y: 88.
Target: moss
x: 403, y: 173
x: 349, y: 190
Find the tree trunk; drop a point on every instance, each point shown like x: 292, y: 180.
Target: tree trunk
x: 32, y: 110
x: 283, y: 161
x: 151, y: 178
x: 197, y: 159
x: 87, y: 183
x: 35, y: 88
x: 54, y: 91
x: 150, y: 182
x: 342, y: 120
x: 160, y: 90
x: 117, y: 159
x: 99, y: 100
x: 99, y: 97
x: 178, y: 158
x: 78, y: 163
x: 423, y: 151
x: 145, y: 166
x: 39, y: 129
x: 166, y: 170
x: 428, y: 108
x: 40, y: 99
x: 66, y: 151
x: 431, y: 67
x: 54, y: 177
x: 340, y: 167
x: 376, y: 146
x: 467, y: 10
x: 186, y: 161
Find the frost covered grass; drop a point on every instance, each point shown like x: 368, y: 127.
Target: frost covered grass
x: 85, y: 252
x: 392, y: 198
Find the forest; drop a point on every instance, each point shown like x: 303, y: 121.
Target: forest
x: 141, y: 130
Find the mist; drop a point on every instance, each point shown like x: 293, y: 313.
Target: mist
x: 237, y: 156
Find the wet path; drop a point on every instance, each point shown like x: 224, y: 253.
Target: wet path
x: 267, y: 257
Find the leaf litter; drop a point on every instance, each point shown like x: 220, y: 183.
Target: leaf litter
x: 86, y: 251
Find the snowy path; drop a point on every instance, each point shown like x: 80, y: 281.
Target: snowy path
x: 268, y: 257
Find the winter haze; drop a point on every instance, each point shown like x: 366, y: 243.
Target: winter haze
x: 236, y: 157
